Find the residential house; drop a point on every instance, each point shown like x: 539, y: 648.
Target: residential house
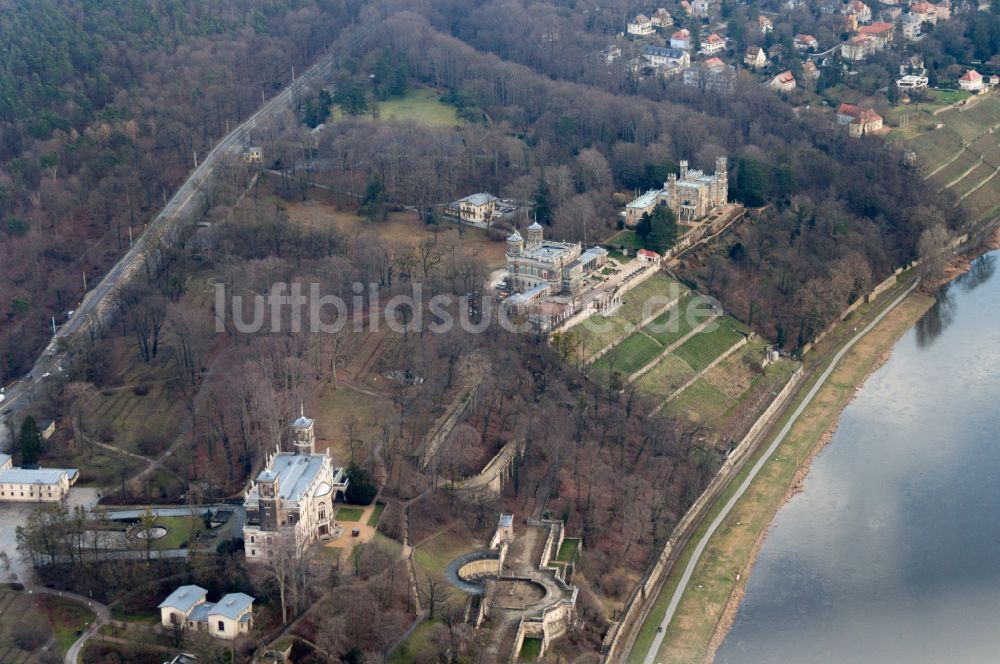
x: 776, y: 52
x: 846, y: 113
x: 611, y: 53
x: 34, y: 485
x: 661, y: 18
x: 971, y: 80
x: 765, y: 24
x: 712, y: 74
x: 891, y: 13
x: 910, y: 26
x: 868, y: 121
x: 186, y: 608
x: 686, y: 7
x: 640, y: 26
x: 48, y: 429
x: 701, y: 8
x: 925, y: 12
x: 858, y: 47
x: 913, y: 65
x: 755, y: 58
x: 647, y: 256
x: 712, y: 44
x: 880, y: 32
x: 669, y: 61
x: 943, y: 10
x: 644, y: 204
x: 292, y: 500
x: 783, y: 82
x: 912, y: 82
x: 805, y: 43
x: 681, y: 39
x: 859, y: 10
x: 810, y: 70
x: 475, y: 208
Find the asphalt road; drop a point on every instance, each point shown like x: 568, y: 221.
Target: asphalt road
x: 764, y: 458
x: 183, y: 207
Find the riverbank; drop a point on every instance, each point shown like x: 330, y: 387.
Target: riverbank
x: 713, y: 593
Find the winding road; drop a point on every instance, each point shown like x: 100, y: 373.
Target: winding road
x: 764, y: 458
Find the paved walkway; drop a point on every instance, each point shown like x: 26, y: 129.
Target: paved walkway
x: 764, y: 458
x: 102, y: 614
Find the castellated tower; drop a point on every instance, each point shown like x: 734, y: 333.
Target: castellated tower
x: 515, y: 244
x: 721, y: 182
x: 304, y: 434
x: 684, y: 169
x: 535, y: 233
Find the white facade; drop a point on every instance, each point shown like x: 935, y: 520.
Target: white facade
x: 911, y: 82
x: 34, y: 485
x: 186, y: 608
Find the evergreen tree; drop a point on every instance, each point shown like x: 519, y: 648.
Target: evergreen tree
x: 372, y: 204
x: 662, y: 229
x: 30, y: 441
x: 543, y: 206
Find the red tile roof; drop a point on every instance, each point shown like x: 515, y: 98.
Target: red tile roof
x: 849, y: 109
x: 876, y: 28
x: 971, y: 75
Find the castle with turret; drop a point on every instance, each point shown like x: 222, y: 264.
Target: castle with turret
x: 292, y: 499
x: 692, y: 195
x: 539, y: 266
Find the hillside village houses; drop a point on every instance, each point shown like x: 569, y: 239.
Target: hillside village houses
x: 292, y: 499
x: 881, y: 32
x: 537, y: 267
x: 681, y: 39
x: 765, y: 24
x: 186, y: 608
x: 805, y: 43
x: 810, y: 70
x: 640, y: 26
x: 34, y: 485
x: 754, y: 57
x: 475, y: 208
x: 859, y: 11
x: 712, y: 74
x: 661, y: 18
x: 912, y: 82
x: 713, y: 44
x: 783, y: 82
x: 691, y: 196
x: 859, y: 122
x: 910, y: 26
x: 971, y: 80
x: 700, y: 8
x: 686, y: 7
x: 858, y: 47
x: 669, y: 61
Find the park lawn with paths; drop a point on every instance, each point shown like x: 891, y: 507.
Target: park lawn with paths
x: 420, y: 105
x: 669, y: 374
x: 635, y: 352
x: 181, y: 532
x: 68, y: 619
x: 350, y: 514
x: 701, y: 609
x: 700, y: 350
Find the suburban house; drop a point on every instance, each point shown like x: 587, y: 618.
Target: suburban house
x: 701, y: 7
x: 859, y: 10
x: 776, y: 52
x: 686, y: 7
x: 647, y: 256
x: 971, y: 80
x: 754, y: 57
x: 640, y: 26
x: 642, y: 205
x: 766, y: 25
x: 661, y: 18
x: 858, y: 47
x: 473, y: 208
x: 910, y: 26
x: 34, y: 485
x: 805, y: 43
x: 859, y: 122
x: 681, y: 39
x: 912, y: 82
x: 669, y: 61
x: 880, y: 32
x: 292, y: 499
x: 783, y: 82
x: 186, y: 608
x: 712, y: 74
x: 537, y: 267
x: 611, y: 53
x: 810, y: 70
x: 713, y: 44
x: 252, y: 154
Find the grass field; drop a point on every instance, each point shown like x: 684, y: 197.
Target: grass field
x: 433, y: 555
x: 665, y: 378
x: 416, y: 644
x: 349, y: 513
x: 701, y: 402
x: 181, y: 532
x: 627, y: 357
x: 956, y: 169
x: 972, y: 121
x: 735, y: 374
x: 973, y: 179
x: 421, y: 105
x: 568, y: 549
x: 67, y: 618
x: 700, y: 350
x: 598, y: 331
x: 671, y: 326
x: 531, y: 648
x: 728, y: 552
x: 376, y: 514
x: 626, y: 238
x: 647, y: 297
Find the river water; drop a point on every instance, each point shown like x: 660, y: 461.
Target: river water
x: 892, y: 551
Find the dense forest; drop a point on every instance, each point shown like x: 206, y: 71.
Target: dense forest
x: 103, y: 104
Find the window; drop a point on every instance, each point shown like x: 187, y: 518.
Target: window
x: 252, y: 539
x: 253, y: 552
x: 222, y: 626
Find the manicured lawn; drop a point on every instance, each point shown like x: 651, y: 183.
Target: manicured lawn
x: 628, y: 356
x: 701, y: 402
x: 665, y: 378
x: 598, y: 331
x: 936, y: 146
x: 700, y: 350
x: 950, y: 96
x: 673, y: 324
x: 376, y: 514
x: 626, y: 238
x: 421, y: 105
x: 387, y: 545
x: 531, y: 648
x: 417, y: 643
x: 349, y: 514
x: 650, y: 295
x: 433, y: 555
x: 181, y: 531
x: 568, y: 549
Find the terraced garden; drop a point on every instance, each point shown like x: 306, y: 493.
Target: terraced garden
x: 701, y: 350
